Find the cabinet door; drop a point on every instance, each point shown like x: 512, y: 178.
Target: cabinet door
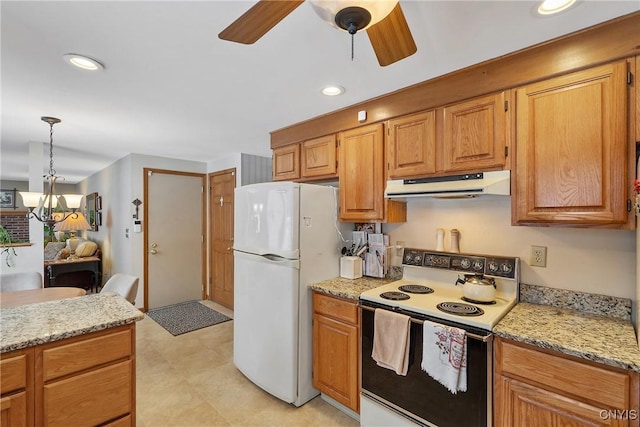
x: 319, y: 157
x: 475, y: 134
x: 522, y: 404
x: 286, y: 163
x: 411, y: 145
x: 13, y: 410
x: 362, y: 174
x: 335, y: 360
x: 571, y: 159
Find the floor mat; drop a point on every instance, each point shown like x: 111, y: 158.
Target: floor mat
x: 186, y: 317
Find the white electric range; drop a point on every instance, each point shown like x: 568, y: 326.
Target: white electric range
x: 400, y: 400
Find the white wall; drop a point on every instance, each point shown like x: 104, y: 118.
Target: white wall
x: 588, y: 260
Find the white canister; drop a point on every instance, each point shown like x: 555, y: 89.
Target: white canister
x: 455, y: 240
x: 351, y: 267
x: 440, y: 239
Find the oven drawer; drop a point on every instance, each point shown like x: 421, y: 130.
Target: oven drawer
x: 562, y: 374
x: 334, y: 307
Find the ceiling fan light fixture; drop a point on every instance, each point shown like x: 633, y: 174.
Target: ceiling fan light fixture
x: 82, y: 61
x: 550, y: 7
x: 333, y: 90
x: 329, y: 11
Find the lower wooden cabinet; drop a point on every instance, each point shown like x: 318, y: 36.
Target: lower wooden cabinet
x: 547, y: 389
x: 16, y: 388
x: 335, y: 349
x: 86, y: 380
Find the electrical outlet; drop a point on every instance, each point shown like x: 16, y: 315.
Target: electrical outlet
x: 538, y: 256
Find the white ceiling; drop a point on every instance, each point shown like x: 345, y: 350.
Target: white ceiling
x: 172, y: 88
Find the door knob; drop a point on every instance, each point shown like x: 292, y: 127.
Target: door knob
x: 153, y: 252
x: 154, y: 245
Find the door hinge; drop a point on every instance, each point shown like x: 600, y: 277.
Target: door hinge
x: 506, y: 105
x: 202, y: 238
x: 628, y: 205
x: 506, y: 151
x: 629, y: 78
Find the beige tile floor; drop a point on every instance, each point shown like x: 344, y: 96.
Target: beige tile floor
x: 190, y: 380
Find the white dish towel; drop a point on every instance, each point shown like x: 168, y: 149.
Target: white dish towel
x: 444, y: 355
x: 391, y: 340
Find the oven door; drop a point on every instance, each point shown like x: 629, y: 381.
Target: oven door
x: 417, y: 395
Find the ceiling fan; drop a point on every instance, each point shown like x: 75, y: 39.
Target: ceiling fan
x: 383, y: 19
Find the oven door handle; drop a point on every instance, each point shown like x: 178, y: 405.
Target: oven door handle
x: 482, y: 338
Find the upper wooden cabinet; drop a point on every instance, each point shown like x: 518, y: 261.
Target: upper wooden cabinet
x: 411, y: 145
x: 469, y: 136
x: 306, y: 161
x: 286, y: 163
x: 572, y: 149
x: 362, y: 178
x: 362, y: 174
x: 318, y: 157
x: 475, y: 134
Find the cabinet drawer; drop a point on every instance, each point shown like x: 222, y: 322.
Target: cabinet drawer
x: 87, y: 353
x: 590, y: 382
x: 335, y: 307
x: 92, y: 398
x: 13, y: 373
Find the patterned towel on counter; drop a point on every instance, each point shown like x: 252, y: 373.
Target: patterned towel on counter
x: 444, y: 355
x: 391, y: 340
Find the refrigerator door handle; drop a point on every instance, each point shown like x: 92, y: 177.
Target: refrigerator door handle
x: 269, y: 259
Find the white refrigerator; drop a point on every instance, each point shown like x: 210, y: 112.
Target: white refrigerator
x: 285, y: 238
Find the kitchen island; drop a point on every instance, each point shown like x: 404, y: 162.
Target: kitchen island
x: 69, y: 362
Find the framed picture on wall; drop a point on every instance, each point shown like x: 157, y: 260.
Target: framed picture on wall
x: 91, y: 211
x: 8, y: 199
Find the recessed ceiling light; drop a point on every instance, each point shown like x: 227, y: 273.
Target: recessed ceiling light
x: 549, y: 7
x: 82, y: 61
x: 333, y: 90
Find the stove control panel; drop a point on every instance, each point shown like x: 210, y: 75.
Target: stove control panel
x: 476, y: 264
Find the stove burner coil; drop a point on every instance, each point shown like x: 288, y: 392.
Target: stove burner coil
x: 393, y: 295
x: 460, y: 308
x: 472, y: 301
x: 415, y: 289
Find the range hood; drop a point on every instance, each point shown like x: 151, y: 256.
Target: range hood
x: 465, y: 185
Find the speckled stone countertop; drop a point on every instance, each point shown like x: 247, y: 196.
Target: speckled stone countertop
x: 349, y: 288
x: 34, y: 324
x: 607, y: 340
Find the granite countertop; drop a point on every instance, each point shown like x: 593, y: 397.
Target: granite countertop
x: 607, y: 340
x: 349, y: 288
x: 34, y: 324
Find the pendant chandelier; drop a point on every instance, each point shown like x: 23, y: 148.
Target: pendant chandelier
x: 49, y: 207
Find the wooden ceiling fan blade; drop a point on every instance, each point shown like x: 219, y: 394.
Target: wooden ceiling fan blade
x: 258, y: 20
x: 391, y: 38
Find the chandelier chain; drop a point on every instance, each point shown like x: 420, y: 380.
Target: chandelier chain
x: 51, y: 169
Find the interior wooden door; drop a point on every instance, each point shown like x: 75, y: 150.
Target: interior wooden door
x: 174, y: 220
x: 221, y: 185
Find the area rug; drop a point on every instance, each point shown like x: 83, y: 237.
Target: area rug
x: 185, y: 317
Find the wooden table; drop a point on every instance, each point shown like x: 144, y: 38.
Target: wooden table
x: 60, y: 272
x: 32, y: 296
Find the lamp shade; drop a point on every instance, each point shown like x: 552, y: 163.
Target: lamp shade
x: 74, y: 222
x: 30, y: 199
x: 327, y: 10
x: 73, y: 200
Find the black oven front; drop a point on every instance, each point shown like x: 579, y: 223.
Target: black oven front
x: 418, y: 396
